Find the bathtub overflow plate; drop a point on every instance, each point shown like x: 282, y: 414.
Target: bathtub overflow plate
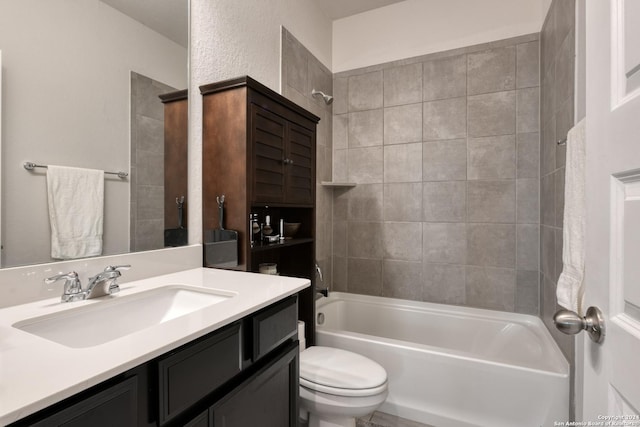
x: 320, y: 319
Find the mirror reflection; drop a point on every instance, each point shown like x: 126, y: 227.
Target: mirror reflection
x: 81, y: 85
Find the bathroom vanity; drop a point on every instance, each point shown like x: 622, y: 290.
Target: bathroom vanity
x: 233, y: 362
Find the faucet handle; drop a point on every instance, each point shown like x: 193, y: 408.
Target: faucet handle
x: 113, y: 286
x: 70, y: 276
x: 72, y: 286
x: 117, y: 267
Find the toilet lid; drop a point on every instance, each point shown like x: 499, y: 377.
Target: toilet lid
x: 327, y: 368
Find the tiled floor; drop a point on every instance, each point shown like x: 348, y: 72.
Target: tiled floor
x: 380, y: 419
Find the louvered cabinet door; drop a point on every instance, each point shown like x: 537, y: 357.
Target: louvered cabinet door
x: 268, y: 154
x: 299, y: 161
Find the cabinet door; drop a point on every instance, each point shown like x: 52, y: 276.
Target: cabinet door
x: 115, y: 406
x: 189, y: 374
x: 201, y: 420
x: 175, y: 168
x: 274, y: 325
x: 268, y: 153
x: 267, y: 399
x: 299, y: 165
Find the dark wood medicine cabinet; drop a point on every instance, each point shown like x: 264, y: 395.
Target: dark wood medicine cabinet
x: 259, y: 152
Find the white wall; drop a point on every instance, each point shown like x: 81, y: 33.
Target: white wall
x: 0, y: 148
x: 59, y: 108
x: 418, y: 27
x: 231, y: 38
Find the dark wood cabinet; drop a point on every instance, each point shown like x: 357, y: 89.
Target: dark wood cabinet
x: 273, y: 326
x: 189, y: 374
x: 282, y: 159
x: 300, y: 166
x: 176, y: 124
x: 117, y: 405
x: 266, y: 394
x: 268, y: 134
x: 259, y: 151
x: 247, y: 370
x: 201, y: 420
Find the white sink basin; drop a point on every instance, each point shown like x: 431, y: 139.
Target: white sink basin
x: 109, y: 319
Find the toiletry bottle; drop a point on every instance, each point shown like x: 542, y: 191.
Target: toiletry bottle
x: 267, y: 230
x: 255, y: 226
x: 251, y: 228
x: 281, y: 229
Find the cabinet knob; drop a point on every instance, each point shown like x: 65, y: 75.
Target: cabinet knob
x: 287, y: 161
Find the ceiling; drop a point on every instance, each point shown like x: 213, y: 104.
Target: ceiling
x: 336, y: 9
x: 169, y: 17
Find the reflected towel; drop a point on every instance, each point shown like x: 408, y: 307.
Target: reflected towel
x: 76, y: 211
x: 570, y: 284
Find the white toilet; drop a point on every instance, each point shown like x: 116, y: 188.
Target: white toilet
x: 337, y: 386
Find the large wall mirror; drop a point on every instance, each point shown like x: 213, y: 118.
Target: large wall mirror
x: 81, y: 81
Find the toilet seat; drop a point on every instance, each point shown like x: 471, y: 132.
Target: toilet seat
x: 340, y: 372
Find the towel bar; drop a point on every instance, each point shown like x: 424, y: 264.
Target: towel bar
x: 31, y: 166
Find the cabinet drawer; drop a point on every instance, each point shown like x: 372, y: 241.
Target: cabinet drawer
x: 274, y: 325
x: 195, y: 371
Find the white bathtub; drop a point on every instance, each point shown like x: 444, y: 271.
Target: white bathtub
x: 452, y: 366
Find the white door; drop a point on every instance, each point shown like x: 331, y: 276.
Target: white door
x: 1, y: 256
x: 612, y: 266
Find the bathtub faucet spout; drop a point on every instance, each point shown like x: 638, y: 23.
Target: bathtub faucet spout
x: 324, y: 291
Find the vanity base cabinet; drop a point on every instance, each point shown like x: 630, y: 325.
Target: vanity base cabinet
x: 243, y: 374
x: 114, y: 406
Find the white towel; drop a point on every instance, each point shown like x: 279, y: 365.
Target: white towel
x: 570, y: 289
x: 76, y: 211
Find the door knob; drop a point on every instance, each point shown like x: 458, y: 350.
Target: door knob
x: 571, y: 323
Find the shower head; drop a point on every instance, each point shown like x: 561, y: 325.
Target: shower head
x: 328, y: 99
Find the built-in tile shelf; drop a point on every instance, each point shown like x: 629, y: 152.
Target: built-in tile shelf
x: 338, y: 184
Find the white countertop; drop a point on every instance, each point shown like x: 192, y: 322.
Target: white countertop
x: 35, y: 372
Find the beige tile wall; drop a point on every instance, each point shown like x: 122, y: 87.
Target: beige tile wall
x: 460, y: 190
x: 147, y: 163
x: 556, y: 118
x: 301, y: 73
x: 445, y: 153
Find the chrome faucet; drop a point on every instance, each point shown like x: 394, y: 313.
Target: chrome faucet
x: 321, y: 291
x: 103, y: 283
